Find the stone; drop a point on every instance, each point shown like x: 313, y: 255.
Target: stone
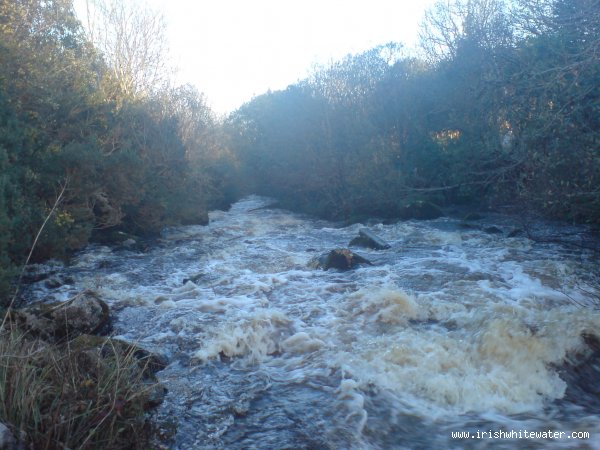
x: 93, y: 352
x: 517, y: 232
x: 420, y: 210
x: 473, y: 216
x: 149, y: 362
x: 129, y: 242
x: 194, y: 278
x: 53, y: 283
x: 83, y: 314
x: 368, y: 239
x: 493, y: 230
x: 339, y: 258
x: 7, y: 439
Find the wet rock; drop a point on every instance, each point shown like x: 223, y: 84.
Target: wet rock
x: 581, y: 372
x: 493, y: 230
x: 473, y: 216
x: 150, y: 362
x: 468, y: 226
x: 339, y: 258
x: 53, y: 283
x: 128, y: 243
x: 96, y: 353
x: 83, y: 314
x: 7, y: 440
x: 194, y: 278
x: 39, y: 272
x: 368, y: 239
x: 517, y: 232
x: 420, y: 210
x: 155, y: 394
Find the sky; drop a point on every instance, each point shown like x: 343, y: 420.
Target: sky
x: 232, y: 50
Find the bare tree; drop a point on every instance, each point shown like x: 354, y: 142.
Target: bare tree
x: 449, y: 23
x: 131, y: 37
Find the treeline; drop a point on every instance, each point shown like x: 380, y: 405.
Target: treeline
x: 99, y: 142
x: 501, y: 109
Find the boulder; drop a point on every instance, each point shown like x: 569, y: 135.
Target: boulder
x: 493, y: 230
x: 366, y: 238
x: 83, y: 314
x: 339, y: 258
x: 420, y: 210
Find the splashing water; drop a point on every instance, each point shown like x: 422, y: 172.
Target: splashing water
x: 450, y: 330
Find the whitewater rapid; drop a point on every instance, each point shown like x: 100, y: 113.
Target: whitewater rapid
x: 451, y: 329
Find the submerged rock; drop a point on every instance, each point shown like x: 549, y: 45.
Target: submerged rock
x: 83, y: 314
x: 339, y: 258
x: 368, y: 239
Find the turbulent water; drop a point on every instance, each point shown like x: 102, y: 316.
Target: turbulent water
x: 452, y: 329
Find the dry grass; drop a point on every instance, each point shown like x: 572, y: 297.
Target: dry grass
x: 76, y: 397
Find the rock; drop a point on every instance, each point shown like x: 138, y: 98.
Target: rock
x: 83, y: 314
x: 468, y: 226
x: 581, y: 372
x: 155, y: 394
x: 129, y: 243
x: 7, y: 440
x: 339, y: 258
x: 53, y: 283
x: 149, y: 362
x: 194, y: 278
x: 473, y: 216
x: 516, y: 233
x: 420, y: 210
x: 368, y: 239
x: 493, y: 230
x: 95, y: 353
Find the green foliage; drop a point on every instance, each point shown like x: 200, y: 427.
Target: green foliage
x: 504, y: 111
x: 131, y: 162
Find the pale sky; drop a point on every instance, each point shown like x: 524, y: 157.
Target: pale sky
x: 232, y: 50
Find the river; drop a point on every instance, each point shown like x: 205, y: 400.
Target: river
x: 452, y: 329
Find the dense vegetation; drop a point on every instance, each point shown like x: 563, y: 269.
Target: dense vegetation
x: 501, y: 109
x: 126, y: 154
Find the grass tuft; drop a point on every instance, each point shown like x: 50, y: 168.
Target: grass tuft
x: 77, y: 397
